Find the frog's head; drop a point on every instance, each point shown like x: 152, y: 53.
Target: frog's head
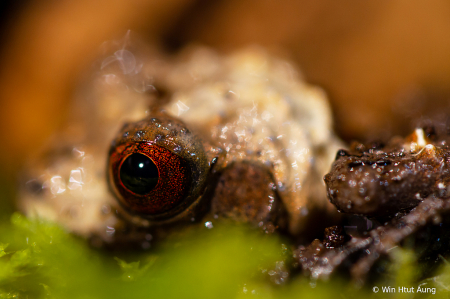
x: 160, y: 172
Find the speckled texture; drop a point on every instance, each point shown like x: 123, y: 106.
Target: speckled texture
x: 257, y: 139
x: 379, y: 181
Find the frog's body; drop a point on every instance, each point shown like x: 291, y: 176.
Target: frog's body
x: 266, y: 135
x: 239, y: 137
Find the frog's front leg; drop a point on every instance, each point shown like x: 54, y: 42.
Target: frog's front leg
x: 246, y: 192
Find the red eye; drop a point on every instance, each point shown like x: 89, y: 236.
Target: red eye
x: 157, y: 171
x: 149, y: 178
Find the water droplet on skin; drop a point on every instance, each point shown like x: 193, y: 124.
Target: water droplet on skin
x: 281, y: 187
x: 182, y: 107
x: 57, y: 185
x: 77, y: 152
x: 139, y: 134
x: 110, y: 230
x: 177, y: 148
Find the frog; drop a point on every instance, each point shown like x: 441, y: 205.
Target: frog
x: 402, y: 187
x: 156, y: 143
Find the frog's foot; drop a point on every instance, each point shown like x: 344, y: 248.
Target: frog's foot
x: 363, y: 259
x: 426, y: 228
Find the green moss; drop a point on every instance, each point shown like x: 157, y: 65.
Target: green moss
x: 43, y: 261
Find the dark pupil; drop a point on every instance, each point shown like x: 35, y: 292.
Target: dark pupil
x: 139, y: 174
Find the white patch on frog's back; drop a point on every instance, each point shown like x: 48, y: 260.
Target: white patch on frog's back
x: 73, y: 194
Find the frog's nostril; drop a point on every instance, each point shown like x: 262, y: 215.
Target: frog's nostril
x: 383, y: 163
x: 355, y: 164
x: 341, y: 153
x: 34, y: 187
x: 360, y: 163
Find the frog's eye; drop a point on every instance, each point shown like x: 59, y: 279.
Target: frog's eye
x: 150, y: 179
x: 157, y: 171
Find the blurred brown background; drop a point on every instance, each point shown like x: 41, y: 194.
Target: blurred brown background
x: 382, y: 63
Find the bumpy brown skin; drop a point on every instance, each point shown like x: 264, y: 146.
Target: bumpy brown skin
x: 243, y: 194
x: 405, y: 186
x: 381, y: 181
